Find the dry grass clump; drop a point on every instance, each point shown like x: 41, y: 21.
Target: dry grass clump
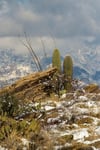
x: 76, y: 146
x: 86, y: 120
x: 41, y: 141
x: 65, y: 139
x: 13, y: 141
x: 96, y: 144
x: 92, y: 88
x: 11, y: 131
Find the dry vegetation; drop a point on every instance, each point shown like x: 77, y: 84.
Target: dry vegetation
x: 50, y: 122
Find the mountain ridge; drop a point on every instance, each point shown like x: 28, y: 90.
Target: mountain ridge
x: 14, y: 66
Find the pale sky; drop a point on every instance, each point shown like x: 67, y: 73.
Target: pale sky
x: 72, y: 24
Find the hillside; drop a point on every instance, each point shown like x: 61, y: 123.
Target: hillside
x: 45, y: 122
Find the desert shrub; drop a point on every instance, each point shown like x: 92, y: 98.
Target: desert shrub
x: 91, y: 88
x: 22, y: 127
x: 13, y: 141
x: 40, y: 141
x: 8, y: 104
x: 7, y: 125
x: 33, y: 127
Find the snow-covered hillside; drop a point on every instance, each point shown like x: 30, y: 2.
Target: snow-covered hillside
x: 14, y: 66
x: 71, y: 122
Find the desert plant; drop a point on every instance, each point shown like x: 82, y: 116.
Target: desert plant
x: 56, y: 61
x: 7, y: 125
x: 33, y: 127
x: 22, y: 127
x: 4, y: 132
x: 8, y: 104
x: 68, y: 67
x: 68, y: 72
x: 13, y: 141
x: 32, y: 52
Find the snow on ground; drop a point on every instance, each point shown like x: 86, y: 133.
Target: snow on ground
x: 25, y: 142
x: 2, y: 148
x: 70, y: 121
x: 77, y: 117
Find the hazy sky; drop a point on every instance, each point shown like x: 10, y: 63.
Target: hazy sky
x: 73, y: 24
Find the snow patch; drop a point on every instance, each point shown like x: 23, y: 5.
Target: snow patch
x: 25, y: 142
x: 53, y: 120
x: 63, y: 96
x: 90, y: 103
x: 48, y: 108
x: 84, y: 98
x: 81, y: 134
x: 98, y: 130
x: 2, y: 148
x: 91, y: 142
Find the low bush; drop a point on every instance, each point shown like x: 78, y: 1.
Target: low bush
x: 8, y: 104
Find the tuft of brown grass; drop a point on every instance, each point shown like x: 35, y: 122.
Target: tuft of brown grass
x: 13, y: 141
x: 92, y: 88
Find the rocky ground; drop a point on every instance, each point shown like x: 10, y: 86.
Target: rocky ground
x: 71, y: 122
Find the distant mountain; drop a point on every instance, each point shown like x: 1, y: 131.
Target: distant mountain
x: 80, y: 74
x: 79, y: 71
x: 88, y: 60
x: 14, y: 66
x: 96, y: 76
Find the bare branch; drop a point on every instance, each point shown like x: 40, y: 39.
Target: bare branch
x: 37, y: 60
x: 25, y: 44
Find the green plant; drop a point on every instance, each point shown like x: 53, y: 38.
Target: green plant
x: 5, y: 131
x: 13, y: 141
x: 68, y: 72
x: 34, y: 127
x: 22, y: 127
x: 8, y: 104
x: 56, y: 61
x: 7, y: 125
x: 68, y: 67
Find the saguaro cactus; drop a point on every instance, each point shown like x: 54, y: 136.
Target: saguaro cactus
x: 68, y: 67
x: 68, y: 72
x: 56, y: 61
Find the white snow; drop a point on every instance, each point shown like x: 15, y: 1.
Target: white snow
x: 2, y: 148
x: 80, y: 134
x: 48, y: 108
x: 95, y: 148
x: 63, y: 96
x: 83, y: 98
x: 90, y: 103
x: 82, y: 110
x: 95, y: 110
x: 91, y: 142
x: 62, y: 146
x: 24, y: 68
x: 59, y: 105
x: 98, y: 130
x: 25, y: 142
x: 53, y: 120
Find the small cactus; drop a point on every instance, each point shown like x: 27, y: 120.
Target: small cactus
x: 56, y: 61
